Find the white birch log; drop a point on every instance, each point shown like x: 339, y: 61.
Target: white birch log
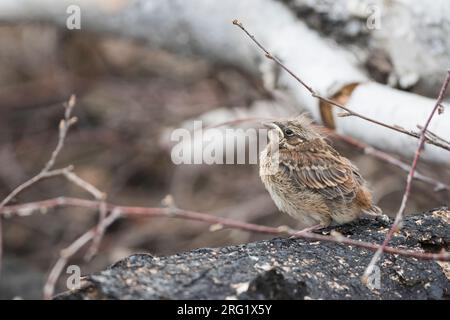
x: 204, y: 27
x: 413, y: 33
x: 392, y: 106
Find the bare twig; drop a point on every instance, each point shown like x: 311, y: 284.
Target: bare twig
x: 146, y: 212
x: 432, y: 135
x: 400, y: 213
x: 70, y: 251
x: 386, y: 157
x: 40, y: 176
x: 96, y: 193
x: 101, y: 197
x: 332, y: 102
x: 99, y: 231
x: 47, y: 171
x: 64, y: 126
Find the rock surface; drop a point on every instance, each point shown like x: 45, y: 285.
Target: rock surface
x: 286, y: 268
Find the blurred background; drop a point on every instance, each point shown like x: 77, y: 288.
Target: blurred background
x: 130, y: 92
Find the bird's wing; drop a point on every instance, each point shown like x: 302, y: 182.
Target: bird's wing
x: 322, y: 169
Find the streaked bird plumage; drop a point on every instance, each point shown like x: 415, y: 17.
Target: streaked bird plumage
x: 312, y: 182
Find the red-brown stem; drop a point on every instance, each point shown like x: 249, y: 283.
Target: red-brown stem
x: 47, y: 171
x: 70, y: 251
x: 386, y: 157
x: 131, y: 211
x: 332, y: 102
x: 401, y: 210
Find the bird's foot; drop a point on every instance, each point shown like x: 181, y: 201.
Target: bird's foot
x: 305, y: 230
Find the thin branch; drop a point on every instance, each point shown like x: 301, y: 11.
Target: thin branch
x: 101, y: 197
x: 399, y: 217
x: 173, y: 212
x: 67, y: 172
x: 40, y: 176
x: 99, y: 231
x: 147, y: 212
x: 332, y: 102
x: 432, y: 135
x: 46, y: 172
x: 386, y: 157
x: 70, y: 251
x: 74, y: 178
x: 64, y: 126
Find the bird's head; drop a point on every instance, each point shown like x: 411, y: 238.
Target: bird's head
x: 292, y: 132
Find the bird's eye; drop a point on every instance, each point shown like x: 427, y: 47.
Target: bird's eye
x: 288, y: 132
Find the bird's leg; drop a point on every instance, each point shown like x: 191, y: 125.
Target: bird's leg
x: 305, y: 230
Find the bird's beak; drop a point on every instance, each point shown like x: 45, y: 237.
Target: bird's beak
x: 274, y: 126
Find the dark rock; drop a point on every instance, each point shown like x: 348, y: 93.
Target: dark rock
x: 286, y: 268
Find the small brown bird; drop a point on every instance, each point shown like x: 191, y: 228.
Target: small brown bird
x: 309, y: 180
